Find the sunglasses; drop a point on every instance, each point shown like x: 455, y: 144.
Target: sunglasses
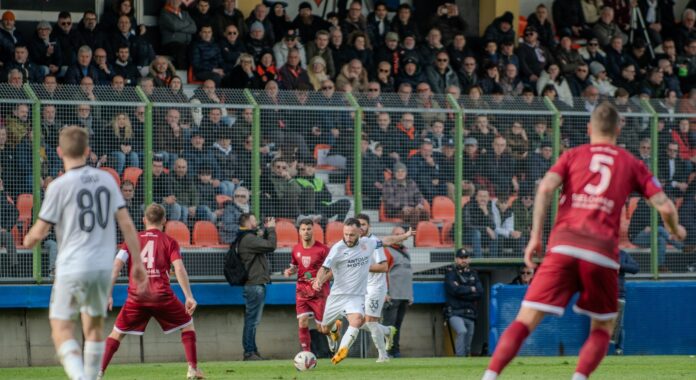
x: 327, y: 88
x: 383, y: 70
x: 443, y: 60
x: 373, y: 89
x: 525, y: 273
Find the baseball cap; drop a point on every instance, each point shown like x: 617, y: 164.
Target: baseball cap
x: 449, y: 142
x: 470, y: 141
x: 462, y: 253
x: 305, y: 4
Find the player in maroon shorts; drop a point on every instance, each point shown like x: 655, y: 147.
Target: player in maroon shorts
x: 307, y: 258
x: 159, y: 253
x: 582, y: 251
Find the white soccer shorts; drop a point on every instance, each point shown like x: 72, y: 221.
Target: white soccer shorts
x: 80, y: 292
x: 374, y: 302
x: 338, y: 305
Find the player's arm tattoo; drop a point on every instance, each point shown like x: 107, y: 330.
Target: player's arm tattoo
x: 667, y: 210
x: 322, y: 276
x: 544, y: 195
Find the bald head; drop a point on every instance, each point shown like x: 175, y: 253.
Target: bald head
x: 605, y: 120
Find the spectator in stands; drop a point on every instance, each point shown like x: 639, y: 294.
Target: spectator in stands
x: 378, y: 24
x: 499, y: 166
x: 426, y: 172
x: 162, y: 190
x: 320, y: 47
x: 440, y: 76
x: 638, y: 54
x: 255, y: 43
x: 201, y: 14
x: 279, y: 18
x: 7, y: 167
x: 177, y: 29
x: 685, y: 140
x: 402, y: 198
x: 484, y: 133
x: 308, y: 24
x: 568, y: 16
x: 534, y: 57
x: 567, y: 58
x: 541, y: 22
x: 170, y: 137
x: 448, y: 21
x: 627, y: 80
x: 282, y: 48
x: 124, y: 67
x: 686, y: 30
x: 354, y: 74
x: 89, y: 32
x: 141, y: 51
x: 228, y: 221
x: 579, y: 81
x: 593, y: 53
x: 359, y: 47
x: 198, y: 156
x: 162, y: 71
x: 253, y: 244
x: 68, y: 40
x: 228, y: 14
x: 116, y: 140
x: 280, y: 191
x: 8, y: 219
x: 518, y: 144
x: 511, y: 83
x: 639, y: 234
x: 601, y: 80
x: 225, y: 162
x: 317, y: 72
x: 45, y: 50
x: 490, y: 79
x: 206, y: 57
x: 507, y: 55
x: 490, y: 54
x: 384, y: 77
x: 383, y: 133
x: 9, y: 36
x: 524, y: 277
x: 500, y: 29
x: 389, y: 53
x: 431, y: 46
x: 31, y: 73
x: 468, y: 75
x: 17, y: 125
x: 606, y: 29
x: 473, y: 163
x: 436, y: 134
x: 83, y: 67
x: 540, y: 162
x: 339, y: 49
x: 523, y: 209
x: 260, y: 14
x: 403, y: 140
x: 674, y: 172
x: 410, y: 72
x: 403, y: 23
x: 507, y: 235
x: 317, y: 199
x: 266, y: 69
x: 291, y: 75
x: 134, y: 207
x: 615, y: 58
x: 185, y: 189
x: 374, y: 165
x: 111, y: 15
x: 243, y: 74
x: 50, y: 125
x: 463, y: 290
x: 104, y: 70
x: 231, y: 47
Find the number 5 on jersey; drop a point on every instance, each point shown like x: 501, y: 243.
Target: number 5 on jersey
x: 600, y: 163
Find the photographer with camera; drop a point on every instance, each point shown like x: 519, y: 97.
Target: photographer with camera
x: 463, y: 289
x: 253, y: 244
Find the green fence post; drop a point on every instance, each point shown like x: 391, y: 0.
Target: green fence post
x: 458, y: 168
x: 654, y: 149
x: 556, y: 127
x: 147, y: 165
x: 357, y: 153
x: 255, y: 154
x: 36, y: 172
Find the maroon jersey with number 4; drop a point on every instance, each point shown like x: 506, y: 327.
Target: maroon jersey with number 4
x: 158, y: 251
x: 308, y: 262
x: 597, y: 179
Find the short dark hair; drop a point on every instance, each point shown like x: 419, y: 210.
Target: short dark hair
x: 64, y: 14
x: 364, y: 217
x: 306, y: 222
x: 245, y: 218
x: 351, y: 222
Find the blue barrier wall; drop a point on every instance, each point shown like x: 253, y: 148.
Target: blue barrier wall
x: 660, y: 319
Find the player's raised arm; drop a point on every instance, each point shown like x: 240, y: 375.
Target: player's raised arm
x: 669, y: 214
x: 547, y: 186
x: 183, y: 279
x: 130, y: 236
x: 394, y: 239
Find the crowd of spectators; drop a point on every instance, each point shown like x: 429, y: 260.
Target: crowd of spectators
x: 577, y: 53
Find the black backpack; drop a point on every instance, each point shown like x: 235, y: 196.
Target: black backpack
x: 236, y: 273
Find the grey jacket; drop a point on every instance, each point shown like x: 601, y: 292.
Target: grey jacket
x: 253, y: 246
x: 400, y: 275
x: 176, y: 29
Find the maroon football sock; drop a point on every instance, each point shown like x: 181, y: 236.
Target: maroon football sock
x: 109, y: 351
x: 508, y: 345
x: 188, y: 338
x: 593, y: 351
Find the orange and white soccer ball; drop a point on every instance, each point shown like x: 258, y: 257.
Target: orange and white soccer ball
x: 305, y: 360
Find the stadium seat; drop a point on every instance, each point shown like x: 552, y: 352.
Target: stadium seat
x: 522, y: 25
x: 349, y: 186
x: 132, y: 174
x: 205, y: 234
x: 334, y: 233
x: 286, y: 234
x: 446, y: 235
x: 221, y: 199
x: 18, y: 238
x: 318, y: 233
x: 384, y: 218
x: 320, y: 153
x: 24, y: 204
x: 191, y: 78
x: 624, y: 242
x: 113, y: 174
x: 443, y: 209
x: 427, y: 235
x: 179, y: 232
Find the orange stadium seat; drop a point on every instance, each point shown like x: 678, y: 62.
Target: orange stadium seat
x: 443, y: 209
x: 191, y: 78
x: 24, y: 204
x: 179, y: 232
x: 318, y: 233
x: 427, y: 235
x: 286, y: 233
x: 17, y: 236
x: 221, y: 199
x: 334, y: 233
x: 320, y: 153
x: 205, y: 234
x: 113, y: 174
x: 349, y: 186
x: 383, y: 215
x: 132, y: 174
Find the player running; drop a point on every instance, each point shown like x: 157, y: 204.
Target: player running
x: 307, y: 258
x: 159, y: 253
x: 582, y: 251
x: 382, y: 336
x: 82, y: 204
x: 349, y: 263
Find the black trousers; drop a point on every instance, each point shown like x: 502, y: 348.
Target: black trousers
x: 393, y: 315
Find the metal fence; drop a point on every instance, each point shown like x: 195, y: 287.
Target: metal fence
x: 209, y: 155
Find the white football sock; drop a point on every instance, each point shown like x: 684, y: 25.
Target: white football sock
x: 377, y: 337
x: 349, y: 337
x: 94, y: 351
x: 579, y: 376
x: 489, y: 375
x: 385, y: 329
x: 71, y: 358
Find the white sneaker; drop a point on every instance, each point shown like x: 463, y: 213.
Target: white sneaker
x: 194, y: 374
x: 390, y: 338
x: 383, y: 359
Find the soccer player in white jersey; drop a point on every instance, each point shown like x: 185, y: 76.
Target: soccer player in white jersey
x: 376, y: 294
x: 349, y: 264
x: 84, y: 205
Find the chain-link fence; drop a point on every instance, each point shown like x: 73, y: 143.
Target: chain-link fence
x: 209, y: 154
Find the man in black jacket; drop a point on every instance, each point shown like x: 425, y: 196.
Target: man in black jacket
x: 8, y: 218
x: 463, y: 289
x: 253, y: 245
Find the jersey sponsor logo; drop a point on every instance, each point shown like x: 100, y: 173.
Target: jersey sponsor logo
x: 357, y: 262
x: 306, y: 261
x: 593, y: 202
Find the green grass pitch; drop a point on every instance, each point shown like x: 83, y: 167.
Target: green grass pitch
x: 613, y: 367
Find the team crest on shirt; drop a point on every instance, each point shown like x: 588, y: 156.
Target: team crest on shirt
x: 306, y: 261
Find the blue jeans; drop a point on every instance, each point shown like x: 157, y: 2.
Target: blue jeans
x: 169, y: 159
x: 643, y: 241
x: 464, y: 328
x: 473, y: 237
x: 227, y: 188
x: 121, y: 159
x: 254, y: 299
x: 175, y: 211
